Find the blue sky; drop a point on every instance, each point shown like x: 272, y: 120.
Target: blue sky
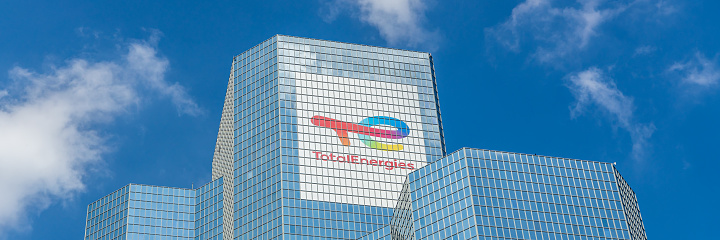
x: 98, y: 94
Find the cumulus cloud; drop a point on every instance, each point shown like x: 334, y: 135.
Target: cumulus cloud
x: 143, y: 61
x: 698, y: 71
x: 592, y: 89
x: 400, y: 22
x: 49, y: 124
x: 558, y: 32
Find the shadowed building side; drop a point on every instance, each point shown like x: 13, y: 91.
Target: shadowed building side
x: 223, y: 159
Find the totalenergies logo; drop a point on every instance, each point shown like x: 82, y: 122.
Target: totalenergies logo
x: 365, y: 130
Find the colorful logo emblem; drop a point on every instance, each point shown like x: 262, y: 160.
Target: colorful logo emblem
x: 365, y: 130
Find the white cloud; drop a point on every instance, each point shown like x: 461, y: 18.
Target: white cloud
x: 644, y: 50
x: 559, y: 32
x: 400, y: 22
x: 49, y: 123
x: 592, y: 88
x: 698, y: 71
x: 143, y: 61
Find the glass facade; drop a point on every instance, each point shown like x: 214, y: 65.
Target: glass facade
x: 107, y: 217
x: 142, y: 212
x: 209, y: 216
x: 384, y: 233
x: 328, y: 140
x: 442, y: 201
x: 632, y: 210
x: 160, y: 213
x: 256, y: 144
x: 222, y: 164
x: 325, y: 134
x: 482, y: 194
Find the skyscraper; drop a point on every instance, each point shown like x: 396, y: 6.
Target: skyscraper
x: 484, y: 194
x: 317, y: 140
x: 325, y: 135
x: 142, y: 212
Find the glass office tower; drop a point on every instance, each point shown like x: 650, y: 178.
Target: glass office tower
x: 107, y: 217
x: 325, y: 134
x: 142, y: 212
x: 482, y: 194
x: 328, y: 140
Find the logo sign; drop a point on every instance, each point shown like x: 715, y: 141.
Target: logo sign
x: 365, y: 130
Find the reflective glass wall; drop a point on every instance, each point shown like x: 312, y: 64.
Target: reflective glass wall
x: 142, y: 212
x: 107, y: 217
x: 209, y: 215
x: 632, y: 210
x: 522, y: 196
x: 325, y: 133
x: 256, y: 145
x: 161, y: 213
x: 442, y: 200
x: 355, y: 120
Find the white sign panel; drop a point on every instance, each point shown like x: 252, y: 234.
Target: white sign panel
x: 358, y: 139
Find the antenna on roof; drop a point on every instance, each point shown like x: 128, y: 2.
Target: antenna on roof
x: 192, y: 185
